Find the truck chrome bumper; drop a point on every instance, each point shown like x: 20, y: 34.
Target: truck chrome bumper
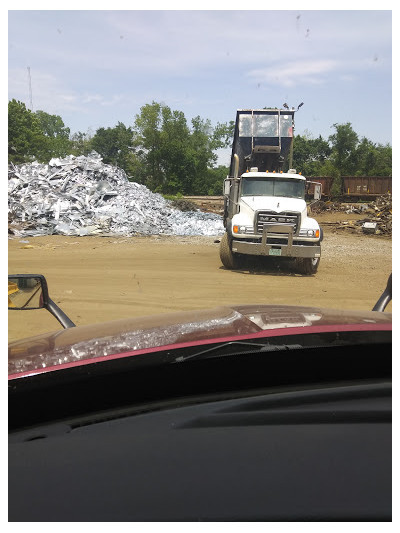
x: 280, y: 250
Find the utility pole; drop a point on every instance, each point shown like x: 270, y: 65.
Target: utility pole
x: 30, y: 88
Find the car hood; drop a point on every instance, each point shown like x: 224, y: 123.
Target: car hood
x: 129, y: 337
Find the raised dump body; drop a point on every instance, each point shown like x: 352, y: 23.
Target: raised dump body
x: 263, y: 138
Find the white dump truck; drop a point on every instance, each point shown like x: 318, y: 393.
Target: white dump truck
x: 265, y: 212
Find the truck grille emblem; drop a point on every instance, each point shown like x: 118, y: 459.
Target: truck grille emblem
x: 286, y: 219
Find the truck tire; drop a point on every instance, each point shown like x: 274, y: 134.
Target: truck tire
x: 307, y: 265
x: 226, y: 255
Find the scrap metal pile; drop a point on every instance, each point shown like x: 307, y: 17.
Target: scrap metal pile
x: 380, y: 215
x: 322, y: 206
x: 83, y: 196
x: 377, y: 215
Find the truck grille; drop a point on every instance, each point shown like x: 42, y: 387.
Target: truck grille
x: 269, y: 218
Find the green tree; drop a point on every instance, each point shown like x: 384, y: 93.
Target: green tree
x: 223, y: 134
x: 204, y: 140
x: 383, y: 162
x: 147, y: 144
x: 26, y: 140
x: 201, y: 157
x: 343, y: 154
x: 176, y: 157
x: 372, y: 159
x: 53, y: 127
x: 114, y: 145
x: 80, y: 143
x: 212, y: 182
x: 162, y: 151
x: 344, y: 144
x: 309, y: 155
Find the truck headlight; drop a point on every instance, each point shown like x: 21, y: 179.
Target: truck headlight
x: 242, y: 229
x: 310, y: 233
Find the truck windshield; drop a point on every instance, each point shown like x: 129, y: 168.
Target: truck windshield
x: 289, y: 188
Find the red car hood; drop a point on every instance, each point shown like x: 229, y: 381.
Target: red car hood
x: 125, y: 338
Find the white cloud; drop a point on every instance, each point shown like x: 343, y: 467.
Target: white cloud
x: 113, y: 100
x: 52, y: 95
x: 299, y: 72
x: 314, y: 71
x: 92, y: 98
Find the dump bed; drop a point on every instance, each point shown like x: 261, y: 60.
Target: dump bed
x: 262, y: 138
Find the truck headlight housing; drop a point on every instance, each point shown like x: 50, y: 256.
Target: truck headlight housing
x: 310, y: 233
x: 242, y: 229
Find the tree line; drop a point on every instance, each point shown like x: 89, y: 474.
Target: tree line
x: 171, y: 156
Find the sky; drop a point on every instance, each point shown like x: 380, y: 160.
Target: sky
x: 95, y: 68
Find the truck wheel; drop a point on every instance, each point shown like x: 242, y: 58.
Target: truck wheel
x: 226, y: 255
x: 307, y: 265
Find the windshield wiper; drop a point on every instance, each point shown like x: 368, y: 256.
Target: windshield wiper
x: 250, y: 347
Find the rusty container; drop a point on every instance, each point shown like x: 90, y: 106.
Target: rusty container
x: 366, y: 185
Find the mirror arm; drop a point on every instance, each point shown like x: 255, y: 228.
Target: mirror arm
x: 385, y: 297
x: 53, y: 308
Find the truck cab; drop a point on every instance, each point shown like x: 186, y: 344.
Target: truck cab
x: 265, y: 212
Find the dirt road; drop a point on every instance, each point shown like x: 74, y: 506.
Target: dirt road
x: 96, y: 279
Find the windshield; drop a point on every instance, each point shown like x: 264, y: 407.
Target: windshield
x: 128, y: 208
x: 289, y: 188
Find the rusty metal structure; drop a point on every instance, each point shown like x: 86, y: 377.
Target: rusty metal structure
x: 356, y: 186
x: 366, y: 185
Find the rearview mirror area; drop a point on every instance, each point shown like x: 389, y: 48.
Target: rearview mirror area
x: 27, y: 291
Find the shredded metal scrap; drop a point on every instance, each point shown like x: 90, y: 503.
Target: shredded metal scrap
x: 83, y: 196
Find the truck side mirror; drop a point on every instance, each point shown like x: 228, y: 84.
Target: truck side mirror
x: 317, y: 191
x: 227, y: 187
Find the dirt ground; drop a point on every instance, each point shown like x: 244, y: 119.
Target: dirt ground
x: 96, y: 279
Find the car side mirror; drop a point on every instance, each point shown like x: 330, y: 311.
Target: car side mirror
x: 30, y: 291
x: 385, y: 297
x: 26, y: 291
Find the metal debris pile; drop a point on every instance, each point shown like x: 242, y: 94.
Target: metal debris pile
x: 322, y: 206
x: 379, y: 216
x: 83, y: 196
x: 377, y: 219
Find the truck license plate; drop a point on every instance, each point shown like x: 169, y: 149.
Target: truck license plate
x: 275, y: 251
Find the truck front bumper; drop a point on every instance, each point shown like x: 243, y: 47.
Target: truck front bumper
x: 271, y: 249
